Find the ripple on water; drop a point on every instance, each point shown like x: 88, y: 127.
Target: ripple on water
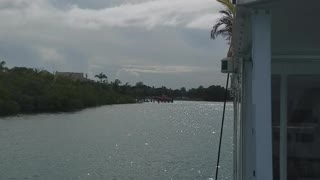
x: 168, y: 141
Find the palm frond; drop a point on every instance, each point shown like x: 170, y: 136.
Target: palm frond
x: 227, y: 13
x: 228, y: 4
x: 223, y: 26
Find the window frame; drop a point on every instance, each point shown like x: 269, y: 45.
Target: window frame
x: 286, y: 66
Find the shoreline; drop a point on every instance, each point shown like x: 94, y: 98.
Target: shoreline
x: 60, y: 112
x: 88, y: 108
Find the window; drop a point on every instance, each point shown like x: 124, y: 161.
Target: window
x: 276, y: 125
x: 303, y: 129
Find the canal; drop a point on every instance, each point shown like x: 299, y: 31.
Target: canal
x: 175, y: 141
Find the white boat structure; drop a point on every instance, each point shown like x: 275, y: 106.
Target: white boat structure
x: 275, y: 71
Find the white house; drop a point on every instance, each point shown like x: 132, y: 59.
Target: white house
x: 276, y: 78
x: 75, y: 76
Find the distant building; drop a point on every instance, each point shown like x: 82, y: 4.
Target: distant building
x: 73, y: 76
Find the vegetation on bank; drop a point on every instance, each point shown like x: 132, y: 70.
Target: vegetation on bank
x: 27, y: 90
x: 212, y: 93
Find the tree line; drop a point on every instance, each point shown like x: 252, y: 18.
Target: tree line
x: 29, y: 90
x: 141, y: 91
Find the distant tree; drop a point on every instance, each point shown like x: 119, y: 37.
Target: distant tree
x: 10, y: 107
x: 183, y: 91
x: 2, y: 66
x: 125, y: 88
x: 115, y: 84
x: 102, y: 77
x: 139, y: 84
x: 28, y: 90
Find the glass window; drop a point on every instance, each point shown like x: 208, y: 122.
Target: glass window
x: 303, y: 138
x: 276, y: 125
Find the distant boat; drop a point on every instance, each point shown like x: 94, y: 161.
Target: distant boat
x: 163, y: 98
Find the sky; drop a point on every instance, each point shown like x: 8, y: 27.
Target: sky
x: 159, y: 42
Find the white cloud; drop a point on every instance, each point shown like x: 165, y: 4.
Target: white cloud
x: 161, y: 69
x: 147, y: 14
x: 51, y: 59
x: 131, y: 76
x: 50, y: 54
x: 203, y: 22
x: 149, y: 40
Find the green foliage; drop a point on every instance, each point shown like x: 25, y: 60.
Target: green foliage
x: 2, y: 65
x: 212, y: 93
x: 223, y: 26
x: 9, y: 107
x: 26, y: 90
x: 228, y: 5
x: 116, y: 84
x: 102, y: 77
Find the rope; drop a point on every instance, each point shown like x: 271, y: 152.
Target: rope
x: 222, y: 123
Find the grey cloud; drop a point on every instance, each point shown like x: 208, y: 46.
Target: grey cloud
x: 92, y: 4
x: 17, y: 54
x: 42, y: 38
x: 161, y: 69
x: 149, y: 14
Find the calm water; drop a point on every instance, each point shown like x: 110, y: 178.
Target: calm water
x: 123, y: 142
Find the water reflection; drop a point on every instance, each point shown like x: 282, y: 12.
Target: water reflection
x: 142, y: 141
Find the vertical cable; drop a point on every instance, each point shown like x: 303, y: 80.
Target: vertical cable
x: 222, y: 123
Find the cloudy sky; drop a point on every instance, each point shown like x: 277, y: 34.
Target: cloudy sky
x: 159, y: 42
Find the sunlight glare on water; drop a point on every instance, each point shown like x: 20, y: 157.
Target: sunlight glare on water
x: 138, y: 142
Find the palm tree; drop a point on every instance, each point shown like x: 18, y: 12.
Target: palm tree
x: 116, y: 84
x: 125, y: 88
x: 223, y: 26
x: 2, y: 66
x: 101, y: 77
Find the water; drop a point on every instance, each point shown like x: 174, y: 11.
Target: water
x: 123, y: 142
